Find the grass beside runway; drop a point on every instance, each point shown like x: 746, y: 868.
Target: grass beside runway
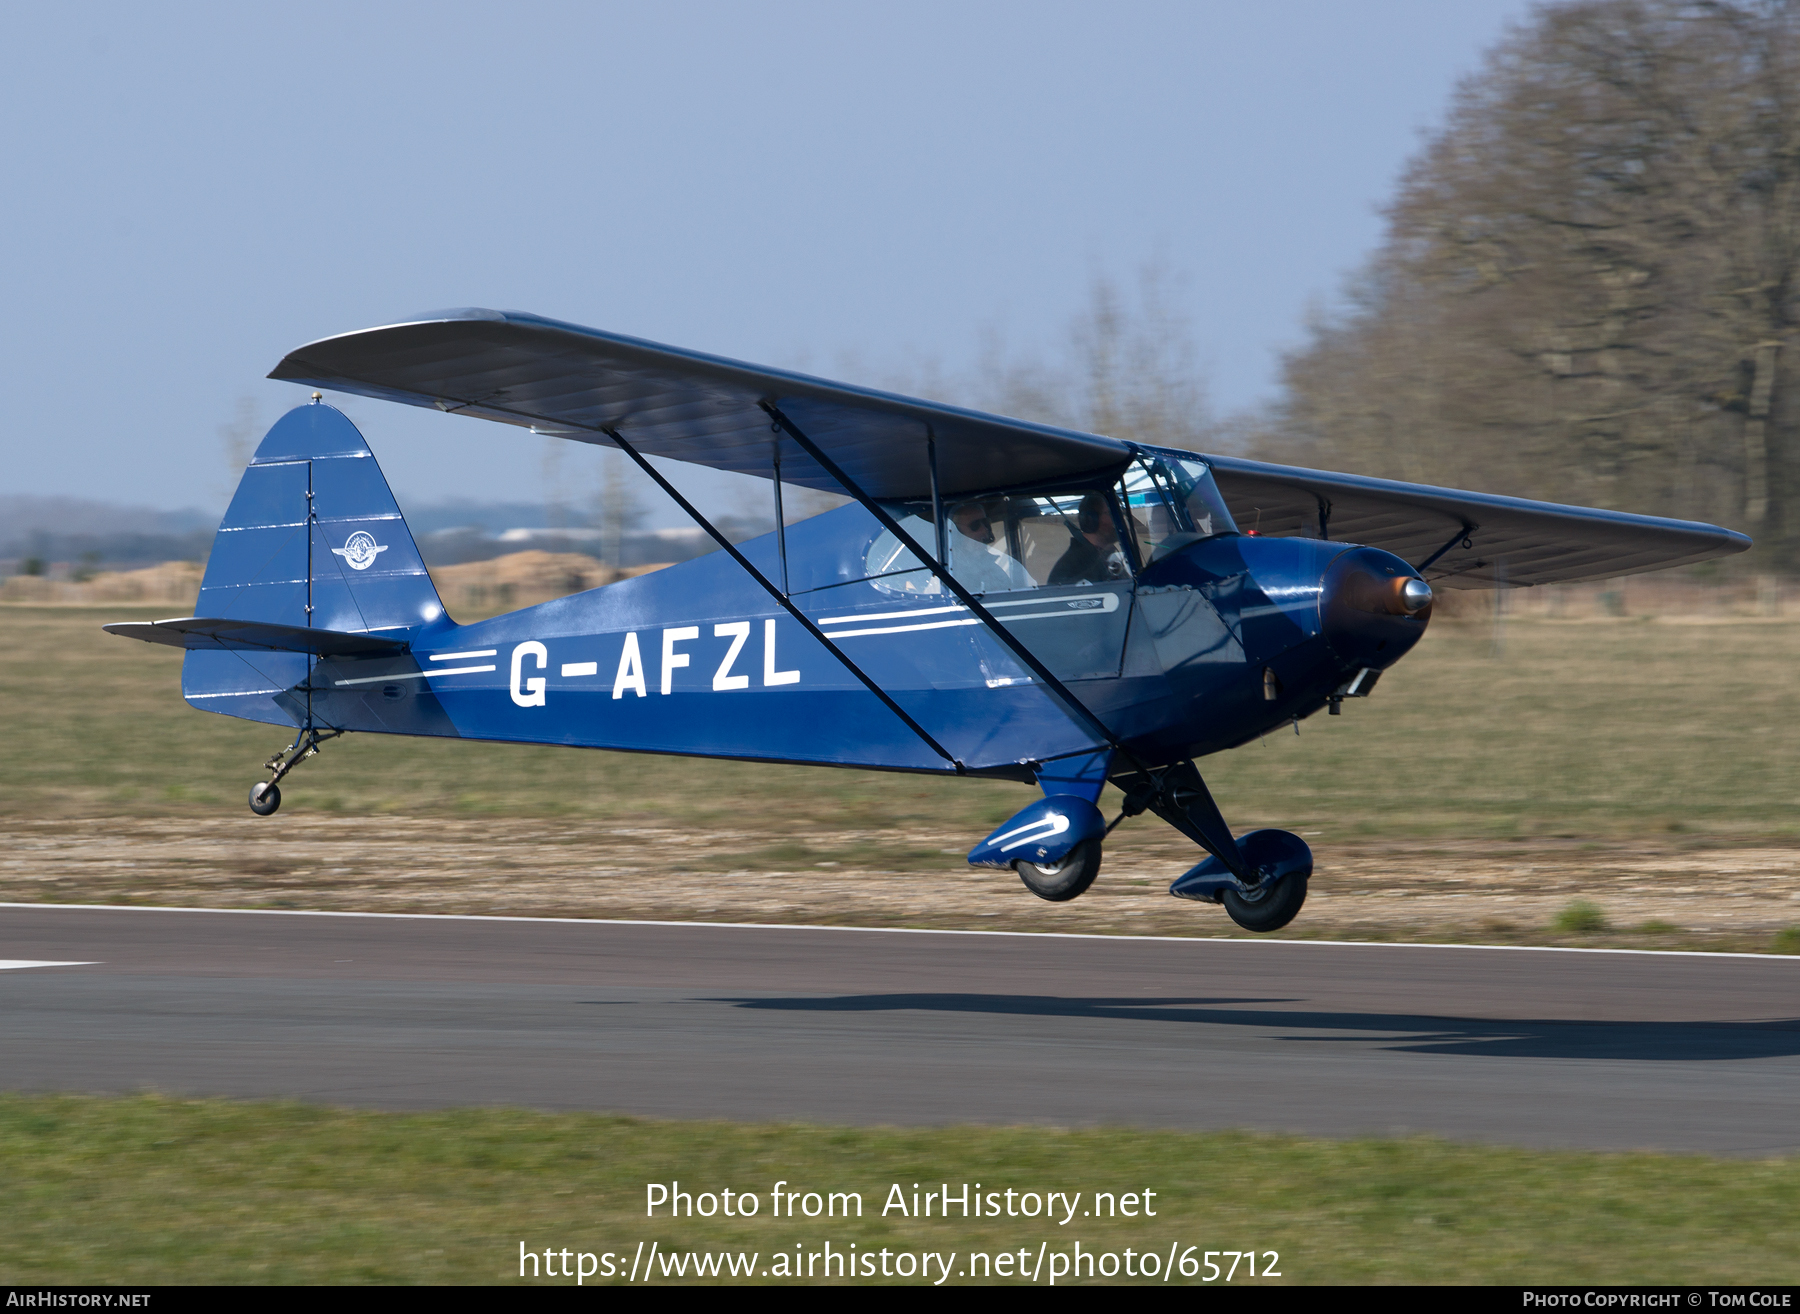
x: 156, y: 1190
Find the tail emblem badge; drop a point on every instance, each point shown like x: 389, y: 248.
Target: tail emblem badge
x: 360, y: 550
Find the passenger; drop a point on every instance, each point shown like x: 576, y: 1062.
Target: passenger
x: 979, y: 564
x: 1094, y: 555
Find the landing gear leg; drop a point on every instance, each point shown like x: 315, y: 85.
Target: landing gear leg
x: 265, y: 795
x: 1260, y: 879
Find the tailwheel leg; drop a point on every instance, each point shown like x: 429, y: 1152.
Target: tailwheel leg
x: 1260, y: 878
x: 265, y: 795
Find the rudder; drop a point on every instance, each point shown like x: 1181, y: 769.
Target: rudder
x: 313, y: 495
x: 313, y: 538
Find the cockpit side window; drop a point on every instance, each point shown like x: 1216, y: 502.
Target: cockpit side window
x: 1007, y: 542
x: 1014, y: 541
x: 1070, y: 538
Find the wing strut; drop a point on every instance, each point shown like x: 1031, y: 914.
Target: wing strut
x: 1460, y: 536
x: 1073, y: 705
x: 780, y: 518
x: 937, y: 495
x: 780, y: 595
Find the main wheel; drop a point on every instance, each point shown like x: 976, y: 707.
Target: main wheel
x: 1061, y: 881
x: 265, y: 798
x: 1270, y: 906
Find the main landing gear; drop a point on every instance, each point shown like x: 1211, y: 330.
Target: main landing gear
x: 1278, y: 864
x: 1260, y: 878
x: 1054, y: 845
x: 1063, y: 880
x: 265, y: 795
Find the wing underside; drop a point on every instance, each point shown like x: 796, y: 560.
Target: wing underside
x: 1462, y: 539
x: 575, y: 382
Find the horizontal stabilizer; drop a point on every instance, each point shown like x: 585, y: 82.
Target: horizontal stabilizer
x: 199, y: 633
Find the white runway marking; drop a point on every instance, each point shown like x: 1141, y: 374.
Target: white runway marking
x: 13, y: 964
x: 907, y: 930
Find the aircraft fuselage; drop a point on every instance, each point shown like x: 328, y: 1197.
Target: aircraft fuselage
x: 1215, y: 644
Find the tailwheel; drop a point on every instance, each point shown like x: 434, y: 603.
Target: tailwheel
x: 265, y: 795
x: 1061, y: 881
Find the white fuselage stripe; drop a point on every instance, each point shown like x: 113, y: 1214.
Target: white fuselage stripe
x: 459, y: 656
x: 413, y: 675
x: 944, y: 625
x: 995, y: 605
x: 888, y: 615
x: 901, y: 629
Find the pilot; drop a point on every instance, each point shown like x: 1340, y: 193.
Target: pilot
x: 1094, y: 555
x: 979, y: 564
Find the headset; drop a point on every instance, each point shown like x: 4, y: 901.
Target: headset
x: 1087, y: 517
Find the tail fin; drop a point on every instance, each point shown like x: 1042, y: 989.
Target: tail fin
x: 313, y: 539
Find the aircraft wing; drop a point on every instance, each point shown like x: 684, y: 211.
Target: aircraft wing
x: 573, y: 382
x: 570, y: 381
x: 1508, y: 540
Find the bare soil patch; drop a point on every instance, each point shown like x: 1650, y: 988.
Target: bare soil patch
x: 1653, y: 893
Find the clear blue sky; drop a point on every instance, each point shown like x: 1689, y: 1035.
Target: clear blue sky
x: 189, y: 191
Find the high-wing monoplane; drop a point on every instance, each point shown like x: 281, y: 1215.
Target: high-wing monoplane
x: 997, y: 599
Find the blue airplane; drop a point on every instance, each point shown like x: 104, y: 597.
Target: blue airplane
x: 997, y: 599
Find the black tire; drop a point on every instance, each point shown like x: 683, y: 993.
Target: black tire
x: 265, y: 799
x: 1272, y: 906
x: 1064, y: 880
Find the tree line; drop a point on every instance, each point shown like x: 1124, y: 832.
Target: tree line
x: 1587, y: 290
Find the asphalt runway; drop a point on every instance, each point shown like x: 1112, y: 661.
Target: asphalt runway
x: 1539, y: 1048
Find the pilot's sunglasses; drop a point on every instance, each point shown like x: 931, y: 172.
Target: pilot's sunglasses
x: 981, y: 522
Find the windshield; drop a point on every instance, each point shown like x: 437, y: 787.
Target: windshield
x: 1173, y: 502
x: 1205, y: 505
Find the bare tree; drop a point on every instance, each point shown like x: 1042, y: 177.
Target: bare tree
x: 617, y: 507
x: 237, y: 439
x: 1127, y: 367
x: 1588, y: 288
